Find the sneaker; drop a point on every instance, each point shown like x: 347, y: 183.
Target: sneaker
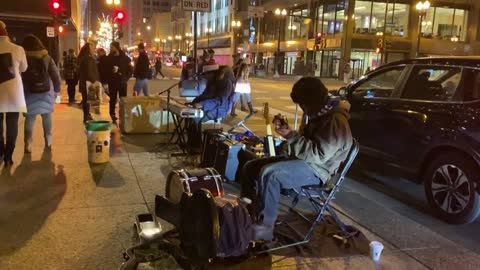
x: 263, y: 232
x: 243, y: 110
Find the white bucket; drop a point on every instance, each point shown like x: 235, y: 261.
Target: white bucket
x: 98, y: 146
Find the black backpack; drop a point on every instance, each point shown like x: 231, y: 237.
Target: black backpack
x: 36, y: 78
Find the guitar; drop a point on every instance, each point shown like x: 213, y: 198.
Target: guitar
x: 271, y: 144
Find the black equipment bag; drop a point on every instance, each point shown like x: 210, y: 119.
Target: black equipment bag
x: 209, y: 147
x: 36, y: 78
x: 226, y: 158
x: 199, y: 228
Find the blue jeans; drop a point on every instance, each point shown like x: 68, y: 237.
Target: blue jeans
x: 141, y: 84
x: 262, y: 180
x: 47, y: 128
x: 7, y: 146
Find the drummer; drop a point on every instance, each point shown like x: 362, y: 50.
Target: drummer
x: 315, y: 153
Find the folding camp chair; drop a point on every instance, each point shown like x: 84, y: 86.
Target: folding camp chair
x: 320, y: 197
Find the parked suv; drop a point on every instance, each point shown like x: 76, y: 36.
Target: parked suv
x: 421, y: 118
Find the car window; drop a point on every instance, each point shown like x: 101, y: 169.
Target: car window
x: 470, y: 89
x: 433, y: 83
x: 380, y: 85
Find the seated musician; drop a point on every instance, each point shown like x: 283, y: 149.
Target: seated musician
x: 315, y: 153
x: 217, y: 97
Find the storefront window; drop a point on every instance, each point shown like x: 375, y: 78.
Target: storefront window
x: 370, y: 18
x: 445, y: 23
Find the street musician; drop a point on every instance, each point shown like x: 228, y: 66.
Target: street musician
x: 315, y: 153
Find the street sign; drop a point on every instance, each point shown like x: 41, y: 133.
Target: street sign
x: 197, y: 5
x: 50, y: 31
x: 256, y: 12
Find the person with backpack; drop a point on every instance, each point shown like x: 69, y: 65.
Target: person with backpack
x: 41, y: 82
x: 12, y: 99
x: 70, y: 74
x: 142, y: 72
x: 87, y: 71
x: 120, y: 73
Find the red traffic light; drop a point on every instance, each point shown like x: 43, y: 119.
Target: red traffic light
x: 56, y: 5
x: 319, y: 34
x: 120, y: 16
x: 378, y: 50
x: 60, y: 29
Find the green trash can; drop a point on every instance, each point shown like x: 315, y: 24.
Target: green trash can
x: 98, y: 141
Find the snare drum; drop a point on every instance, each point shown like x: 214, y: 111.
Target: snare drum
x: 189, y: 181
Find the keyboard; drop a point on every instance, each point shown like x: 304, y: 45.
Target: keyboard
x: 178, y: 107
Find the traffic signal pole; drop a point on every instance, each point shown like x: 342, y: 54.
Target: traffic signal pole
x: 195, y: 60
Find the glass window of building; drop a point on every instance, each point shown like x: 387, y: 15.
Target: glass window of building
x: 362, y: 16
x: 445, y: 23
x: 370, y: 17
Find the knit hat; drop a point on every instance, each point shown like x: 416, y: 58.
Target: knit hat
x: 3, y: 29
x: 310, y: 91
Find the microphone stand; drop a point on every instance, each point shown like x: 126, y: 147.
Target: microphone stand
x: 169, y: 92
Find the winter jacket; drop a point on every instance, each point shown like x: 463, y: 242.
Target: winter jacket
x: 40, y: 103
x: 87, y: 71
x: 122, y: 61
x: 70, y: 67
x: 142, y: 68
x: 104, y: 69
x: 12, y: 98
x: 324, y: 142
x: 216, y: 100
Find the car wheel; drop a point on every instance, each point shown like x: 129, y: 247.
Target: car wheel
x: 451, y: 188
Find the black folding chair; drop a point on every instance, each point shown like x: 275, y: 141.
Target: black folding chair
x: 320, y: 197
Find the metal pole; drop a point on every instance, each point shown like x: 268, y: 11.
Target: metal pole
x: 384, y: 37
x: 195, y: 60
x: 419, y: 34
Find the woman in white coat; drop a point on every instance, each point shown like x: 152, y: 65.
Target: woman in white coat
x: 12, y: 99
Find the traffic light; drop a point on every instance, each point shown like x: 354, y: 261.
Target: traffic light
x: 378, y: 50
x: 120, y: 16
x: 60, y: 29
x: 56, y: 6
x: 318, y: 38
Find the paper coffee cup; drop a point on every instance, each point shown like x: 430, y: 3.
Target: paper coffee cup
x: 376, y: 249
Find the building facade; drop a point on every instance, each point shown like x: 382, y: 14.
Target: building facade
x: 362, y: 33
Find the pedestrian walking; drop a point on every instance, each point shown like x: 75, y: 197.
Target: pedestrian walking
x: 87, y: 71
x: 12, y: 99
x: 71, y: 74
x: 346, y: 72
x: 242, y: 88
x: 104, y: 68
x: 120, y: 73
x: 41, y: 84
x: 158, y: 67
x: 142, y: 72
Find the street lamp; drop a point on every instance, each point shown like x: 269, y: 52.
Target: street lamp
x: 157, y: 40
x: 235, y: 25
x: 280, y: 14
x: 163, y: 45
x: 170, y: 38
x: 422, y: 7
x: 209, y: 32
x: 113, y: 2
x: 149, y: 27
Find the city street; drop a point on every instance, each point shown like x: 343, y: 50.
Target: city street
x: 61, y: 212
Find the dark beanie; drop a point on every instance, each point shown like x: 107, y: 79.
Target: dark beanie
x: 309, y: 91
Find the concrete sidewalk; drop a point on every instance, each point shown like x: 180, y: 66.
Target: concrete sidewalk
x: 60, y: 212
